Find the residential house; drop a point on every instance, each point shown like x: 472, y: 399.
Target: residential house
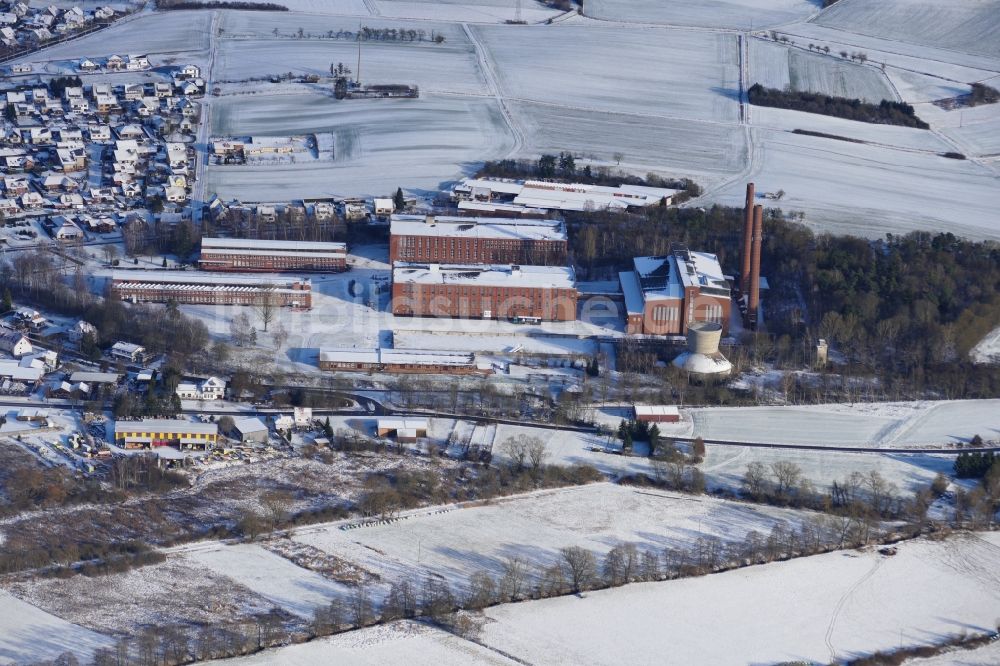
x: 14, y: 343
x: 127, y: 351
x: 212, y: 388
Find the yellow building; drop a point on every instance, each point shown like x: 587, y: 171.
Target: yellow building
x: 150, y: 433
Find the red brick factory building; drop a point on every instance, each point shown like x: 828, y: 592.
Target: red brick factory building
x: 666, y: 294
x: 544, y: 293
x: 477, y: 240
x: 247, y: 255
x: 210, y: 288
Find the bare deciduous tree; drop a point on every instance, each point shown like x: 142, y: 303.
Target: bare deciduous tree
x: 581, y: 567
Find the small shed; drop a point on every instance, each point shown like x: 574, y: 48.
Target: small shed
x: 404, y: 430
x: 251, y: 430
x: 384, y: 207
x: 657, y: 413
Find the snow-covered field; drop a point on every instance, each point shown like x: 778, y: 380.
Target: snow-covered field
x: 736, y: 14
x: 408, y: 642
x: 680, y: 74
x: 970, y: 26
x: 457, y: 543
x: 297, y: 590
x: 898, y: 425
x: 987, y: 350
x: 776, y: 66
x: 816, y: 609
x: 29, y: 634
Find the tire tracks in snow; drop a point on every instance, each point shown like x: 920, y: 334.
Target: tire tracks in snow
x: 492, y: 82
x: 842, y: 602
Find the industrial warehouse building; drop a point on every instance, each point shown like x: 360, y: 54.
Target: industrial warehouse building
x: 402, y: 361
x: 150, y: 433
x: 477, y: 240
x: 560, y: 196
x: 664, y: 295
x: 534, y: 293
x: 270, y: 256
x: 210, y: 289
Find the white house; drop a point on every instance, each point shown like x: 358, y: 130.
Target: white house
x: 212, y: 388
x: 14, y: 343
x: 127, y: 351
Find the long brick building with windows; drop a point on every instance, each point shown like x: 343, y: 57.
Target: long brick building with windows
x: 477, y: 240
x: 210, y: 289
x: 248, y: 255
x: 665, y: 294
x: 531, y: 293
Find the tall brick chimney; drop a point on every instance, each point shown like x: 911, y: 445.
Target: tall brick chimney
x: 758, y: 237
x: 747, y: 235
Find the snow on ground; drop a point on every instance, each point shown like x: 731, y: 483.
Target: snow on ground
x: 885, y: 191
x: 816, y: 609
x: 473, y: 11
x: 777, y: 66
x: 678, y: 74
x: 737, y: 14
x: 334, y: 7
x: 457, y: 543
x: 412, y: 643
x: 987, y: 655
x: 288, y: 586
x: 238, y: 24
x: 987, y: 350
x: 379, y: 144
x: 646, y: 142
x: 167, y: 32
x: 448, y: 67
x: 29, y: 634
x: 970, y: 26
x: 888, y: 425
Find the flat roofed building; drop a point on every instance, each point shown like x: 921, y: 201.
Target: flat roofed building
x: 478, y: 240
x: 546, y: 293
x: 149, y: 433
x: 404, y: 430
x: 210, y: 289
x: 657, y: 413
x: 271, y: 256
x: 251, y: 430
x: 401, y: 361
x: 561, y: 196
x: 665, y: 294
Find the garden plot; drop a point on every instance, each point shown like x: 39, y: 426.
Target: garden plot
x: 646, y: 143
x: 404, y: 642
x: 737, y: 14
x: 380, y: 144
x: 663, y: 73
x: 815, y: 610
x: 171, y: 593
x: 290, y: 587
x: 776, y: 66
x: 868, y: 191
x: 449, y: 68
x: 457, y: 543
x: 166, y: 32
x: 29, y: 634
x: 970, y: 26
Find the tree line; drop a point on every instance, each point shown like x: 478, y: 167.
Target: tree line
x: 885, y: 112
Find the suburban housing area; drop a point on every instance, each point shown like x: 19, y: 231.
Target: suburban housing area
x: 482, y: 332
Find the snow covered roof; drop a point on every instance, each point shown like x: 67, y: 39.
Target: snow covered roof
x: 94, y: 377
x: 397, y: 356
x: 656, y: 410
x: 250, y: 424
x: 494, y: 275
x: 268, y: 245
x: 568, y: 196
x: 167, y: 425
x: 14, y: 370
x: 201, y: 281
x: 477, y: 227
x: 632, y: 291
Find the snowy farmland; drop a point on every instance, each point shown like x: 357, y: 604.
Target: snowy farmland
x: 816, y: 609
x: 29, y: 634
x: 969, y: 26
x: 455, y: 544
x: 413, y: 643
x: 734, y: 14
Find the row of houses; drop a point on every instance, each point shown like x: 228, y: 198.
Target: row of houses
x: 23, y: 27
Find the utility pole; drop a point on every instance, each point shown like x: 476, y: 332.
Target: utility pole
x: 517, y: 12
x: 358, y: 77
